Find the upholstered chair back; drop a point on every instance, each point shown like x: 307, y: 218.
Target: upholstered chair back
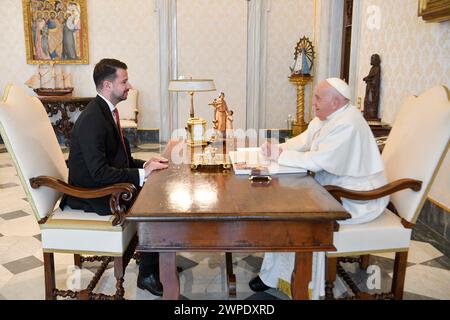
x: 30, y: 140
x: 127, y: 108
x: 416, y: 146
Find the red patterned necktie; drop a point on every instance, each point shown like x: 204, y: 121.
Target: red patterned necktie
x: 116, y: 115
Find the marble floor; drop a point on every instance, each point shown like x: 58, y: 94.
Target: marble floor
x: 203, y: 275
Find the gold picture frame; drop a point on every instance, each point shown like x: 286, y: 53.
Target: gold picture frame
x: 434, y: 10
x: 56, y: 31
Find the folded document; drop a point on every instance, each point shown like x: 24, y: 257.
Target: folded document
x: 246, y: 159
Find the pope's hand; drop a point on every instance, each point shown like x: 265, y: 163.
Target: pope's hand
x: 271, y: 150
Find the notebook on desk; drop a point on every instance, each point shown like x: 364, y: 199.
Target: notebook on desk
x: 244, y: 160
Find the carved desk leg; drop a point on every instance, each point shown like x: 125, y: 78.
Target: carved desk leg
x: 301, y: 275
x: 169, y: 275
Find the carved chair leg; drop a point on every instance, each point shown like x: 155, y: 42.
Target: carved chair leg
x: 398, y: 279
x: 119, y: 272
x: 231, y: 277
x: 331, y: 265
x: 77, y: 260
x: 364, y: 264
x: 49, y: 272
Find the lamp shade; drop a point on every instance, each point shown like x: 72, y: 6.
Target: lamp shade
x: 192, y: 85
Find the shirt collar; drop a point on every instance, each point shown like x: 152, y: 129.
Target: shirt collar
x: 110, y: 105
x: 337, y: 112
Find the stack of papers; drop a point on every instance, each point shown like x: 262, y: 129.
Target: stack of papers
x: 246, y: 159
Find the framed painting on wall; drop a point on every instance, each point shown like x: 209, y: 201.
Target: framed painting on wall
x: 56, y: 31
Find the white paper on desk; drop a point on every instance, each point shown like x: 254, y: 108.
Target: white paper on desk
x: 245, y: 159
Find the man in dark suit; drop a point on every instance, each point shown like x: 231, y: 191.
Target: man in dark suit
x: 100, y: 155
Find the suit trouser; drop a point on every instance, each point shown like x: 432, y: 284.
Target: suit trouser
x: 149, y: 264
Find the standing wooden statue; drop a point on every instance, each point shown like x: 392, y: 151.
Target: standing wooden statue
x: 221, y: 114
x: 372, y: 99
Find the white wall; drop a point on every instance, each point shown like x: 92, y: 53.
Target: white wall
x: 288, y: 21
x: 13, y: 67
x: 126, y: 30
x: 212, y: 44
x: 415, y: 57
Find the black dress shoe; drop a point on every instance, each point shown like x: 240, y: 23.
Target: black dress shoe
x: 150, y: 283
x: 256, y: 284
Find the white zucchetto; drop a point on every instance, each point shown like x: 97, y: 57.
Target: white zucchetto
x: 341, y: 86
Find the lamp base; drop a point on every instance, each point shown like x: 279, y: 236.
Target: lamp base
x: 196, y: 128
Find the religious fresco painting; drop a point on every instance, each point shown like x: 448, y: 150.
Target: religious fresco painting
x: 56, y: 31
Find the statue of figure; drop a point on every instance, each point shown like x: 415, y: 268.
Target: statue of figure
x: 305, y: 65
x: 296, y: 67
x: 220, y: 114
x: 372, y: 98
x: 300, y: 65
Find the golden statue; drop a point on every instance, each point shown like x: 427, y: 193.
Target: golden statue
x: 222, y: 115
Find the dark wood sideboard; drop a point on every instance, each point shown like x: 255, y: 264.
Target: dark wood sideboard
x: 65, y: 106
x: 380, y: 129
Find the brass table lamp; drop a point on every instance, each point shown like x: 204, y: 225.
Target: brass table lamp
x: 196, y: 126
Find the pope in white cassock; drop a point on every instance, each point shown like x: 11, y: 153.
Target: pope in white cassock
x: 340, y: 149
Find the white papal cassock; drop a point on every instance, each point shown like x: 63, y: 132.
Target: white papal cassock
x: 342, y: 151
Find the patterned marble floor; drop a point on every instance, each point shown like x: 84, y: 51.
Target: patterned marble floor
x: 203, y: 275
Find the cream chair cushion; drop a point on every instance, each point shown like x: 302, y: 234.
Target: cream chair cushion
x: 386, y: 233
x: 127, y: 108
x: 72, y: 230
x: 32, y: 144
x: 416, y: 146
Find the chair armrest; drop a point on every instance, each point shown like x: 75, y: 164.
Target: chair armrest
x: 118, y: 191
x: 338, y: 192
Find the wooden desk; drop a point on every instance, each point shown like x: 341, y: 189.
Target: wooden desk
x: 180, y: 210
x: 64, y: 105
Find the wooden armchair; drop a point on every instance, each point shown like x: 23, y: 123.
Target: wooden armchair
x: 413, y: 153
x: 39, y: 161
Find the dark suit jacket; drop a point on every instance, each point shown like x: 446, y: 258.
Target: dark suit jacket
x: 97, y: 157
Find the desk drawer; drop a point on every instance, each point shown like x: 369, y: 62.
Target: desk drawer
x: 243, y: 236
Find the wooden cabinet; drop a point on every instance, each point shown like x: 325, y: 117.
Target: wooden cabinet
x: 380, y: 129
x: 65, y: 107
